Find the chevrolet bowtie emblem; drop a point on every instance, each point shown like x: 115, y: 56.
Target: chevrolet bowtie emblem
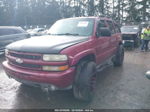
x: 18, y: 60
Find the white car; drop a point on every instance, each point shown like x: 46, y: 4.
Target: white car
x: 36, y: 31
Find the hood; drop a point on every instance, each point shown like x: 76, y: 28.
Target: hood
x: 46, y: 44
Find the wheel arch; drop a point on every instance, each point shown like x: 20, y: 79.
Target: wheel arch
x: 85, y: 56
x: 89, y: 57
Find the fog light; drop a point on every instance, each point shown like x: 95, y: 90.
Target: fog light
x: 55, y: 68
x: 53, y: 88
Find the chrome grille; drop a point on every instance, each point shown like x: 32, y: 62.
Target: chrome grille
x: 25, y: 65
x: 25, y: 56
x: 13, y: 56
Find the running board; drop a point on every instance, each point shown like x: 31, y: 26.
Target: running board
x: 104, y: 65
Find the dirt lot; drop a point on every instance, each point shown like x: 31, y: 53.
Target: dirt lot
x: 124, y: 87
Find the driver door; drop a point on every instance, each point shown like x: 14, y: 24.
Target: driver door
x: 102, y: 44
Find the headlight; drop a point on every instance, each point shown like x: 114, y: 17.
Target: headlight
x: 123, y: 41
x: 53, y: 57
x: 6, y: 51
x: 55, y: 68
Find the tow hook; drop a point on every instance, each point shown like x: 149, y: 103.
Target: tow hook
x: 47, y: 88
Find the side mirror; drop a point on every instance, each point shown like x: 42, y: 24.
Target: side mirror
x: 105, y: 32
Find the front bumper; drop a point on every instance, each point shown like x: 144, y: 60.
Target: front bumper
x: 58, y: 79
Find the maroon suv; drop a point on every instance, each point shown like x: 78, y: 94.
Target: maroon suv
x: 68, y: 57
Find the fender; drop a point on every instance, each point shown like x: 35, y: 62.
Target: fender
x: 81, y: 55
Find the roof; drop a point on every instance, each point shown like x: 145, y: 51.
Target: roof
x: 92, y: 17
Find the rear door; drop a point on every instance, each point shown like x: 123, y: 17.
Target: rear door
x: 113, y: 39
x: 118, y: 33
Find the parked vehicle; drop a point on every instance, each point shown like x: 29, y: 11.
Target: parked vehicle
x: 131, y: 35
x: 29, y: 30
x: 69, y: 57
x: 9, y: 34
x: 36, y: 31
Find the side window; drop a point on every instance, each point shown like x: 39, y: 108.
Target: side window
x: 6, y: 32
x: 21, y: 30
x: 101, y: 24
x: 16, y: 31
x: 111, y: 26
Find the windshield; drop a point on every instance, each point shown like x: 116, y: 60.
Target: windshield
x: 129, y: 29
x: 76, y: 27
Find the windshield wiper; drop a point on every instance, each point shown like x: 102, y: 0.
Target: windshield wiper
x: 74, y: 34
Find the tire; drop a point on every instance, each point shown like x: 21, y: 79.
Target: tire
x: 85, y: 81
x: 119, y: 57
x: 136, y: 42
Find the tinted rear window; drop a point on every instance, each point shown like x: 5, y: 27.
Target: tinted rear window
x: 6, y: 32
x: 10, y: 31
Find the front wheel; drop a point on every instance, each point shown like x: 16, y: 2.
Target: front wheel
x: 84, y: 85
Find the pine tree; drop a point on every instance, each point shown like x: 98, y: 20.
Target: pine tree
x: 144, y: 10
